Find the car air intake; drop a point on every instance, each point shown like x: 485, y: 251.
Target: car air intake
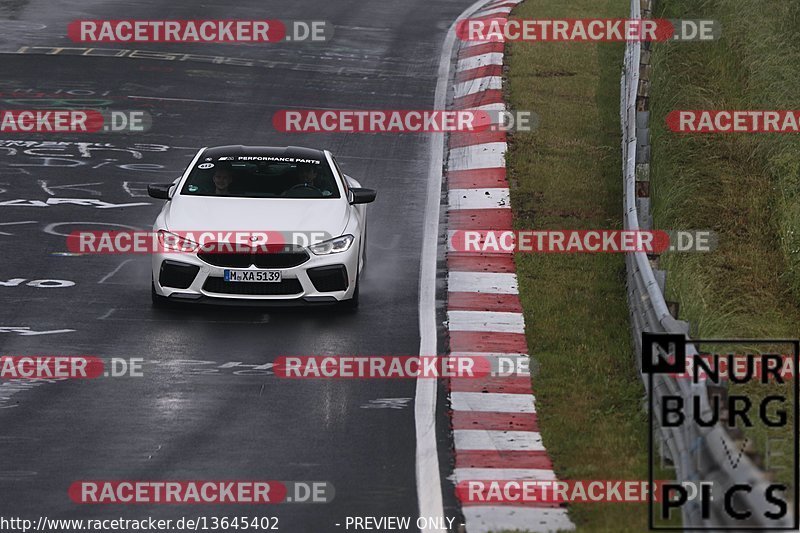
x: 329, y: 278
x: 177, y: 275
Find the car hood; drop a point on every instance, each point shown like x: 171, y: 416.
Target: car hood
x: 185, y: 213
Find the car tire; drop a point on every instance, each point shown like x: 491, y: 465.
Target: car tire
x: 158, y: 301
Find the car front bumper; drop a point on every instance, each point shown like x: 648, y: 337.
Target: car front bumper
x: 318, y: 280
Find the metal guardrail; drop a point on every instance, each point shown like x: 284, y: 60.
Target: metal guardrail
x: 698, y: 454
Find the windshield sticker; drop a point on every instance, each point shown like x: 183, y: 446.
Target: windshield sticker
x: 277, y: 158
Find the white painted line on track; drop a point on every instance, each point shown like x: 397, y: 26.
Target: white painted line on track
x: 469, y: 63
x: 482, y: 518
x: 483, y: 282
x: 497, y: 321
x: 470, y: 44
x: 26, y: 331
x: 487, y: 518
x: 492, y: 198
x: 488, y: 107
x: 495, y: 11
x: 476, y: 156
x: 14, y: 224
x: 110, y: 274
x: 487, y: 354
x: 452, y: 247
x: 481, y: 439
x: 429, y: 483
x: 477, y: 85
x: 506, y: 356
x: 465, y: 474
x: 493, y: 402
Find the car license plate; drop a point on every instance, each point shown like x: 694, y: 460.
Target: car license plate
x: 261, y: 276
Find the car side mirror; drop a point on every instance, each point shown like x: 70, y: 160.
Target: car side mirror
x: 362, y: 196
x: 159, y: 190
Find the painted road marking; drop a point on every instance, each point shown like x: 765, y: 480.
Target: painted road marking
x: 465, y: 474
x: 486, y: 321
x: 492, y: 198
x: 495, y: 11
x: 470, y: 63
x: 493, y: 402
x: 477, y: 85
x: 429, y: 484
x: 479, y: 439
x: 486, y: 518
x: 488, y: 155
x: 485, y: 282
x: 26, y: 331
x: 495, y: 427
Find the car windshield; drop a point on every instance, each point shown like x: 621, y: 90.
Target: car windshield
x: 261, y: 177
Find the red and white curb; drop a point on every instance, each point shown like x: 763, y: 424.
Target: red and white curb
x: 494, y: 423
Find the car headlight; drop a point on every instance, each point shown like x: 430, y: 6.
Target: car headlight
x: 174, y: 243
x: 333, y: 246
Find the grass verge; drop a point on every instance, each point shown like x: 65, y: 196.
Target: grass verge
x: 567, y: 175
x: 743, y: 186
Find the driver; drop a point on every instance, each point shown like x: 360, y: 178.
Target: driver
x: 223, y: 179
x: 306, y: 175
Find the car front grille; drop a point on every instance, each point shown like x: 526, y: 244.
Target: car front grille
x: 285, y: 257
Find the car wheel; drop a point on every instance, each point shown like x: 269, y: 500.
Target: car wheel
x: 158, y: 300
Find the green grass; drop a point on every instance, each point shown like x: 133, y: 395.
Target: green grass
x: 743, y: 186
x: 567, y: 175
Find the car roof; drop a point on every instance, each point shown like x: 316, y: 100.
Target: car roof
x: 236, y: 150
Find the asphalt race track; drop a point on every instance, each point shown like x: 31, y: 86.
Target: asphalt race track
x: 207, y: 406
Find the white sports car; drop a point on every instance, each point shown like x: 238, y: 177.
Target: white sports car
x: 297, y: 194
